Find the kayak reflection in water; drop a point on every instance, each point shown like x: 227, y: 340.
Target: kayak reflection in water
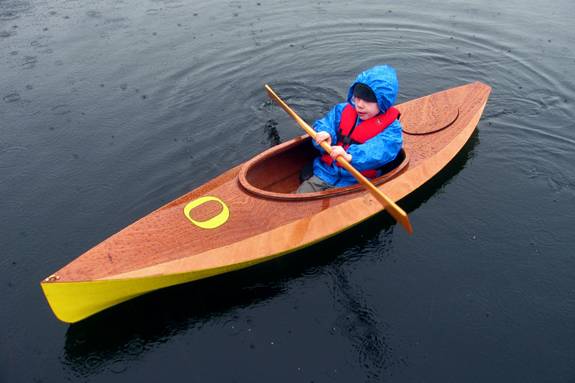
x: 365, y: 129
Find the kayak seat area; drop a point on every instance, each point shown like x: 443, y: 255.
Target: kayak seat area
x: 279, y: 173
x: 399, y: 159
x: 307, y: 170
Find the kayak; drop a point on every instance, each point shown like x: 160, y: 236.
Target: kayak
x: 251, y: 214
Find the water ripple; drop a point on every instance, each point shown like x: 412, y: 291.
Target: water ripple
x: 173, y: 95
x: 450, y: 54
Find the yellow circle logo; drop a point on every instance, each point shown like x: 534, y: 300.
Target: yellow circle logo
x: 213, y: 222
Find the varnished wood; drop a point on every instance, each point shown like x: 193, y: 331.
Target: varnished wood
x: 261, y: 224
x: 396, y: 212
x: 439, y: 119
x: 274, y: 174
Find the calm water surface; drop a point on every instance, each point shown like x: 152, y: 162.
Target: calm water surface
x: 109, y: 109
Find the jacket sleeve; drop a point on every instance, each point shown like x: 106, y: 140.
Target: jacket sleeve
x: 379, y: 150
x: 329, y: 123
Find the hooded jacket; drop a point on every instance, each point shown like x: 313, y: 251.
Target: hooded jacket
x: 375, y: 152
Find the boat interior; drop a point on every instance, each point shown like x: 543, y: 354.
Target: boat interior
x: 277, y: 172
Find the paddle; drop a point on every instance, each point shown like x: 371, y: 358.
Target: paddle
x: 395, y: 211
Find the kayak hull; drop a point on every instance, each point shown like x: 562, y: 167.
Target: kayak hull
x: 74, y: 301
x: 250, y: 214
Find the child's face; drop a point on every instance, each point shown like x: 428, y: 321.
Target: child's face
x: 365, y: 109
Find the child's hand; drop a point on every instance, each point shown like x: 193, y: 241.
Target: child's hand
x: 323, y: 136
x: 337, y: 151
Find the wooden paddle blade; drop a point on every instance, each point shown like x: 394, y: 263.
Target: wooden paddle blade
x: 390, y: 206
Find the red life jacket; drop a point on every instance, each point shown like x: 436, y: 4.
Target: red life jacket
x: 349, y: 133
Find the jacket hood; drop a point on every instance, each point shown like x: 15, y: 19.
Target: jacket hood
x: 382, y: 80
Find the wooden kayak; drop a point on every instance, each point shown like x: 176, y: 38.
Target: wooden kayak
x: 250, y: 214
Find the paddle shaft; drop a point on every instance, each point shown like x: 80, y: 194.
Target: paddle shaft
x: 393, y: 209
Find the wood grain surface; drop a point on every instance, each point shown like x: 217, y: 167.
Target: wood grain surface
x: 265, y: 218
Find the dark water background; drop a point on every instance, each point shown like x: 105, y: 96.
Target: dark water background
x: 109, y: 109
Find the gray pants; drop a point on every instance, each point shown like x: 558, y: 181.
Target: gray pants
x: 313, y: 184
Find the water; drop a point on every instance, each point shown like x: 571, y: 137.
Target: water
x: 109, y: 109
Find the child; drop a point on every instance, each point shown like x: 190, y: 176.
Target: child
x: 365, y: 129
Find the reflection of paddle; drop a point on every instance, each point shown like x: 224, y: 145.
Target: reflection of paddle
x: 392, y: 208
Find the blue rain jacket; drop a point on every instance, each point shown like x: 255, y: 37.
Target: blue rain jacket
x: 375, y: 152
